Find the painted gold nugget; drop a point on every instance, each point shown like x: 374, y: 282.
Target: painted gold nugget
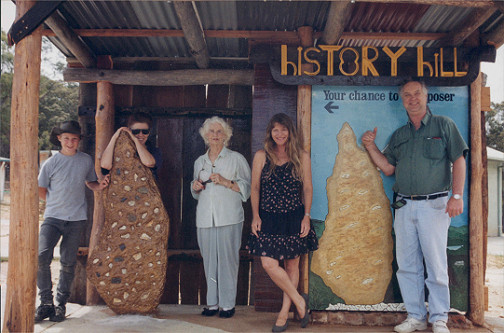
x: 355, y: 252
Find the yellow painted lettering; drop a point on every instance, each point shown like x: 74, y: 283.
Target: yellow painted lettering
x: 330, y: 57
x: 311, y: 61
x: 457, y: 73
x: 421, y: 63
x: 441, y: 61
x: 356, y: 61
x: 367, y: 63
x: 300, y: 50
x: 284, y: 63
x: 393, y: 58
x: 436, y: 67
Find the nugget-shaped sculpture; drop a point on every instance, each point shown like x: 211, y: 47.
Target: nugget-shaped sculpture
x: 128, y: 264
x: 355, y: 252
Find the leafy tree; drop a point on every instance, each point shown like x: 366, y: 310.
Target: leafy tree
x: 58, y: 101
x: 5, y: 96
x: 495, y: 126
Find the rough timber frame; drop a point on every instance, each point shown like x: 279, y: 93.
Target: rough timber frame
x: 20, y: 302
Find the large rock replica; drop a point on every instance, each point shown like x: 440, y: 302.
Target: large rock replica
x: 355, y: 252
x: 128, y: 264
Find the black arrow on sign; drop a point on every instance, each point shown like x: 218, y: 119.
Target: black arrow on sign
x: 329, y: 106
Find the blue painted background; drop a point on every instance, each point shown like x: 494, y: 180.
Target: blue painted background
x: 387, y: 115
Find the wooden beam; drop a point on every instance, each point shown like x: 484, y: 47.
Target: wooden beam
x: 467, y: 27
x: 31, y: 20
x: 71, y: 40
x: 496, y: 37
x: 193, y: 32
x: 24, y: 211
x: 304, y: 131
x: 162, y: 78
x: 456, y: 3
x: 104, y: 121
x: 339, y: 12
x: 476, y: 281
x: 287, y: 36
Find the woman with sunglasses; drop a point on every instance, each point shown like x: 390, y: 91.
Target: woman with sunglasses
x: 221, y: 183
x: 138, y: 127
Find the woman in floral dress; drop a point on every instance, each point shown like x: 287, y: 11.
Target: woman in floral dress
x: 281, y: 197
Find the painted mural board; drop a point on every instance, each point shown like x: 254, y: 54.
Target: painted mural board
x: 364, y: 108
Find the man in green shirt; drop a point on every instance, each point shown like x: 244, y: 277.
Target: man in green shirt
x: 421, y: 155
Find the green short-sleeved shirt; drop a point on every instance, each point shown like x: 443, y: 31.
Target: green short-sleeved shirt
x: 423, y: 157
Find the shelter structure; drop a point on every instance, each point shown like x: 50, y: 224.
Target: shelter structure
x: 183, y: 61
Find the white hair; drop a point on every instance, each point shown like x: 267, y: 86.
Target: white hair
x: 228, y: 131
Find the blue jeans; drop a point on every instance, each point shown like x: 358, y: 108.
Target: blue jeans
x: 50, y: 232
x: 421, y: 229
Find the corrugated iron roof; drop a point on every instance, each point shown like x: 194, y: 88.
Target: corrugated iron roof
x: 365, y: 17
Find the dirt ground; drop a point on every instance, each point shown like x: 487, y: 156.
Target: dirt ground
x: 494, y: 274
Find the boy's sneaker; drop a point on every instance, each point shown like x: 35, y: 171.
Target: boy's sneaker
x: 44, y: 311
x: 59, y: 313
x: 411, y: 325
x: 440, y: 327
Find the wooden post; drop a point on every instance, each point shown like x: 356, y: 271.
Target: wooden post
x: 304, y: 130
x: 476, y: 282
x: 104, y: 130
x: 24, y: 220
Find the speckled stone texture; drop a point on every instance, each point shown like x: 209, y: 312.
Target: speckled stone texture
x: 128, y: 265
x: 355, y: 252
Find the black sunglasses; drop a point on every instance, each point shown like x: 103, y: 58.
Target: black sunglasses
x: 199, y: 175
x: 137, y: 131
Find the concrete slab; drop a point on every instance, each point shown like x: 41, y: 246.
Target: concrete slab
x: 187, y: 318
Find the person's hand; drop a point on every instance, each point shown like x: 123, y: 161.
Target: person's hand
x: 128, y: 130
x: 217, y: 179
x: 104, y: 182
x: 305, y: 226
x: 198, y: 185
x: 369, y: 137
x: 256, y: 225
x: 454, y: 207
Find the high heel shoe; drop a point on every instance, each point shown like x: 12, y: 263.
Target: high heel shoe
x: 280, y: 328
x: 306, y: 319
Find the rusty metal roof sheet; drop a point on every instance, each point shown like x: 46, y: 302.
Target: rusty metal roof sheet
x: 368, y: 17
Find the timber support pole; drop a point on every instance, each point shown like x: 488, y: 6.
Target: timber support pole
x: 104, y: 120
x: 304, y: 130
x: 476, y: 311
x: 24, y: 214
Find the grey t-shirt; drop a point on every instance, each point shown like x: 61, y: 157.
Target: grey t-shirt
x: 64, y: 177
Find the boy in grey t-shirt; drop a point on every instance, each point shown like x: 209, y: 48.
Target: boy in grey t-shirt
x: 62, y: 181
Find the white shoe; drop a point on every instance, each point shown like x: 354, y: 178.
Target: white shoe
x: 440, y: 327
x: 411, y: 325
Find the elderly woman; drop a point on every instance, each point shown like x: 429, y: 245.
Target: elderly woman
x: 281, y: 201
x: 138, y: 127
x: 221, y: 183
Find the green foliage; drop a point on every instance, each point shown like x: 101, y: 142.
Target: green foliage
x: 5, y: 96
x: 58, y: 101
x: 495, y: 126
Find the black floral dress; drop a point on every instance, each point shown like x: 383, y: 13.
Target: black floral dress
x: 281, y: 211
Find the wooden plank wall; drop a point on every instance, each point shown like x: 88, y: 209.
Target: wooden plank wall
x: 180, y: 143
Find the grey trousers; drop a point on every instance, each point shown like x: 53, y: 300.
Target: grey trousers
x: 50, y: 232
x: 220, y: 249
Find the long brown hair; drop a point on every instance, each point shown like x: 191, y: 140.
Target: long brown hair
x: 294, y: 146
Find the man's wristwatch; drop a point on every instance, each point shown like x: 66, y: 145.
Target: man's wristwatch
x: 457, y: 196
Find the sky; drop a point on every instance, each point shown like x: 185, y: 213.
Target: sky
x: 495, y: 71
